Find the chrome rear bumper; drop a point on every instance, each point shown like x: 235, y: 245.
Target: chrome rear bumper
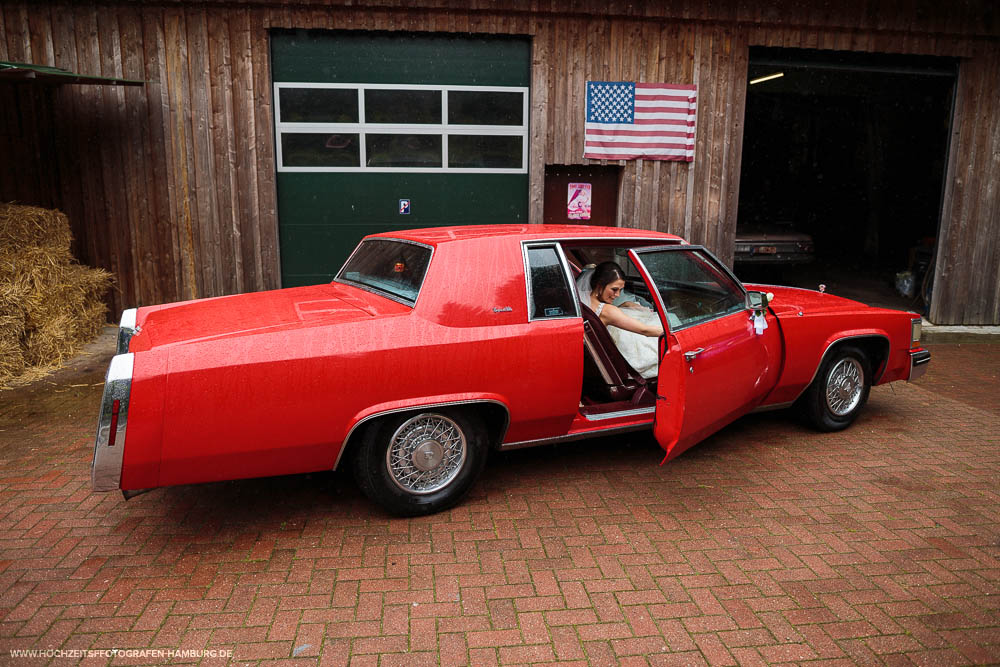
x: 126, y: 329
x: 918, y: 363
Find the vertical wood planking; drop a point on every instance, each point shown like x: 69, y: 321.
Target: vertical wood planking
x: 736, y: 112
x: 66, y: 134
x: 3, y: 31
x: 538, y: 125
x: 226, y: 207
x: 175, y: 43
x: 983, y: 206
x: 110, y: 143
x: 86, y: 99
x: 133, y: 126
x: 209, y: 250
x: 159, y: 176
x: 179, y: 196
x: 246, y: 149
x: 18, y: 33
x: 267, y: 228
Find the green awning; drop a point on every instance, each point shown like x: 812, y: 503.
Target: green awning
x: 53, y: 75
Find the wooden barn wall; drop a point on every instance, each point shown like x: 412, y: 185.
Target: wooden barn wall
x: 171, y: 185
x: 967, y: 273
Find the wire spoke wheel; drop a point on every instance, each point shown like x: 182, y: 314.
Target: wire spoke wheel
x: 844, y: 386
x: 426, y: 453
x: 840, y: 389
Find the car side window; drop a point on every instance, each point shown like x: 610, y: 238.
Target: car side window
x: 693, y: 287
x: 549, y: 292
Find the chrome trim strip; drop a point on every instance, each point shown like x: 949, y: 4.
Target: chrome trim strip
x: 770, y: 408
x: 919, y: 360
x: 567, y: 276
x: 616, y: 241
x: 413, y: 408
x: 571, y: 437
x: 374, y: 290
x: 827, y: 351
x: 126, y: 329
x: 621, y: 413
x: 570, y: 280
x: 106, y: 469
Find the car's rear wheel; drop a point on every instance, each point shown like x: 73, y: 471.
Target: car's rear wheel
x: 834, y: 399
x: 421, y: 462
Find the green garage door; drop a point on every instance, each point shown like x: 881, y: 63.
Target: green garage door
x: 383, y: 131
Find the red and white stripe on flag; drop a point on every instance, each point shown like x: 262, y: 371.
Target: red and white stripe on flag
x: 649, y: 121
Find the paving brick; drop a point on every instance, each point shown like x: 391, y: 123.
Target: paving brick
x: 452, y: 650
x: 766, y: 543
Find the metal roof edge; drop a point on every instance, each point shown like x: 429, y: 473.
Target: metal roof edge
x: 14, y: 72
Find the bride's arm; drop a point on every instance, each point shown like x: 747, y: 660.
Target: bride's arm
x: 612, y: 315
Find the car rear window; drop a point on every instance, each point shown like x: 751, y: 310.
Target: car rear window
x: 394, y: 269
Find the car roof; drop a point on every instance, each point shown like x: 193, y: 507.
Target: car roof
x: 438, y: 235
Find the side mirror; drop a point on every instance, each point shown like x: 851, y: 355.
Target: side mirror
x: 756, y: 301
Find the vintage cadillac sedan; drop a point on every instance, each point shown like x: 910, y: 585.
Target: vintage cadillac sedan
x: 433, y: 347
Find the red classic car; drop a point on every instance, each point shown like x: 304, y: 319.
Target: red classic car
x: 434, y: 346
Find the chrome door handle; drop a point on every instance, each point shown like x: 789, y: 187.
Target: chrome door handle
x: 690, y: 355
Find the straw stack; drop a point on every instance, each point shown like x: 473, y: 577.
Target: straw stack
x: 50, y: 305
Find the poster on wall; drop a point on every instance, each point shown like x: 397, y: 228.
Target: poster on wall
x: 578, y: 201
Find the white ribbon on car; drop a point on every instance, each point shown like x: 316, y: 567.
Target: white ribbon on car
x: 759, y: 322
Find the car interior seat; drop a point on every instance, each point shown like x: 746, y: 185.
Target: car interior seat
x: 607, y: 375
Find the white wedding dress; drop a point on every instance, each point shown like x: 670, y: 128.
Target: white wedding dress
x: 639, y: 351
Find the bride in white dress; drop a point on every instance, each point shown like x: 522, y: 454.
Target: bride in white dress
x: 634, y: 328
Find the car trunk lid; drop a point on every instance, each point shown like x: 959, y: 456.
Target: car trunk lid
x: 244, y: 314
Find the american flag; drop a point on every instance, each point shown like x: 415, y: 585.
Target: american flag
x: 627, y: 120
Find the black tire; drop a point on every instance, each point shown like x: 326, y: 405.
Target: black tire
x: 452, y: 443
x: 834, y: 399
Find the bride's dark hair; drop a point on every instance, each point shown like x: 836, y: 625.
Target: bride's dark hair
x: 605, y: 273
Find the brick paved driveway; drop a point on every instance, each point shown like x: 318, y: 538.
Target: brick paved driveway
x: 768, y: 543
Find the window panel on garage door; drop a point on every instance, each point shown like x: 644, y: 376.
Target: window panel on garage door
x: 443, y: 128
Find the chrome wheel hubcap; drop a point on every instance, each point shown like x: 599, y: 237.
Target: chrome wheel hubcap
x: 426, y: 453
x: 844, y: 385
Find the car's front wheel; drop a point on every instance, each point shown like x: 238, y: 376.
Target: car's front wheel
x: 421, y: 462
x: 840, y: 389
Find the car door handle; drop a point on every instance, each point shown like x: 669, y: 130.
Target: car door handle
x: 691, y: 354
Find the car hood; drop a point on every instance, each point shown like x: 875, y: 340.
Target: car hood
x: 245, y: 314
x: 796, y: 299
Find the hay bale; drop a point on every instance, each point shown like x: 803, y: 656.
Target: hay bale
x: 31, y: 226
x: 50, y: 306
x: 11, y: 347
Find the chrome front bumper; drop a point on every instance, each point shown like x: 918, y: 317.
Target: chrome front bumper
x: 918, y: 363
x: 109, y: 445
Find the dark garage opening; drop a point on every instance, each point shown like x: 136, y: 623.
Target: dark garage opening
x: 850, y: 149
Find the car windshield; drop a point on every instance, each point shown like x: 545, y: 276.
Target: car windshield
x: 392, y: 268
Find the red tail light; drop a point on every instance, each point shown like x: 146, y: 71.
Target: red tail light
x: 115, y: 407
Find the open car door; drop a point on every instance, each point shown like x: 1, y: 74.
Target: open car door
x: 714, y: 365
x: 670, y: 381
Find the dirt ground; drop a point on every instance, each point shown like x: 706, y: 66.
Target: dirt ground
x: 768, y: 543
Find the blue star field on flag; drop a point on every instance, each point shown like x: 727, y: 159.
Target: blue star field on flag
x: 610, y: 101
